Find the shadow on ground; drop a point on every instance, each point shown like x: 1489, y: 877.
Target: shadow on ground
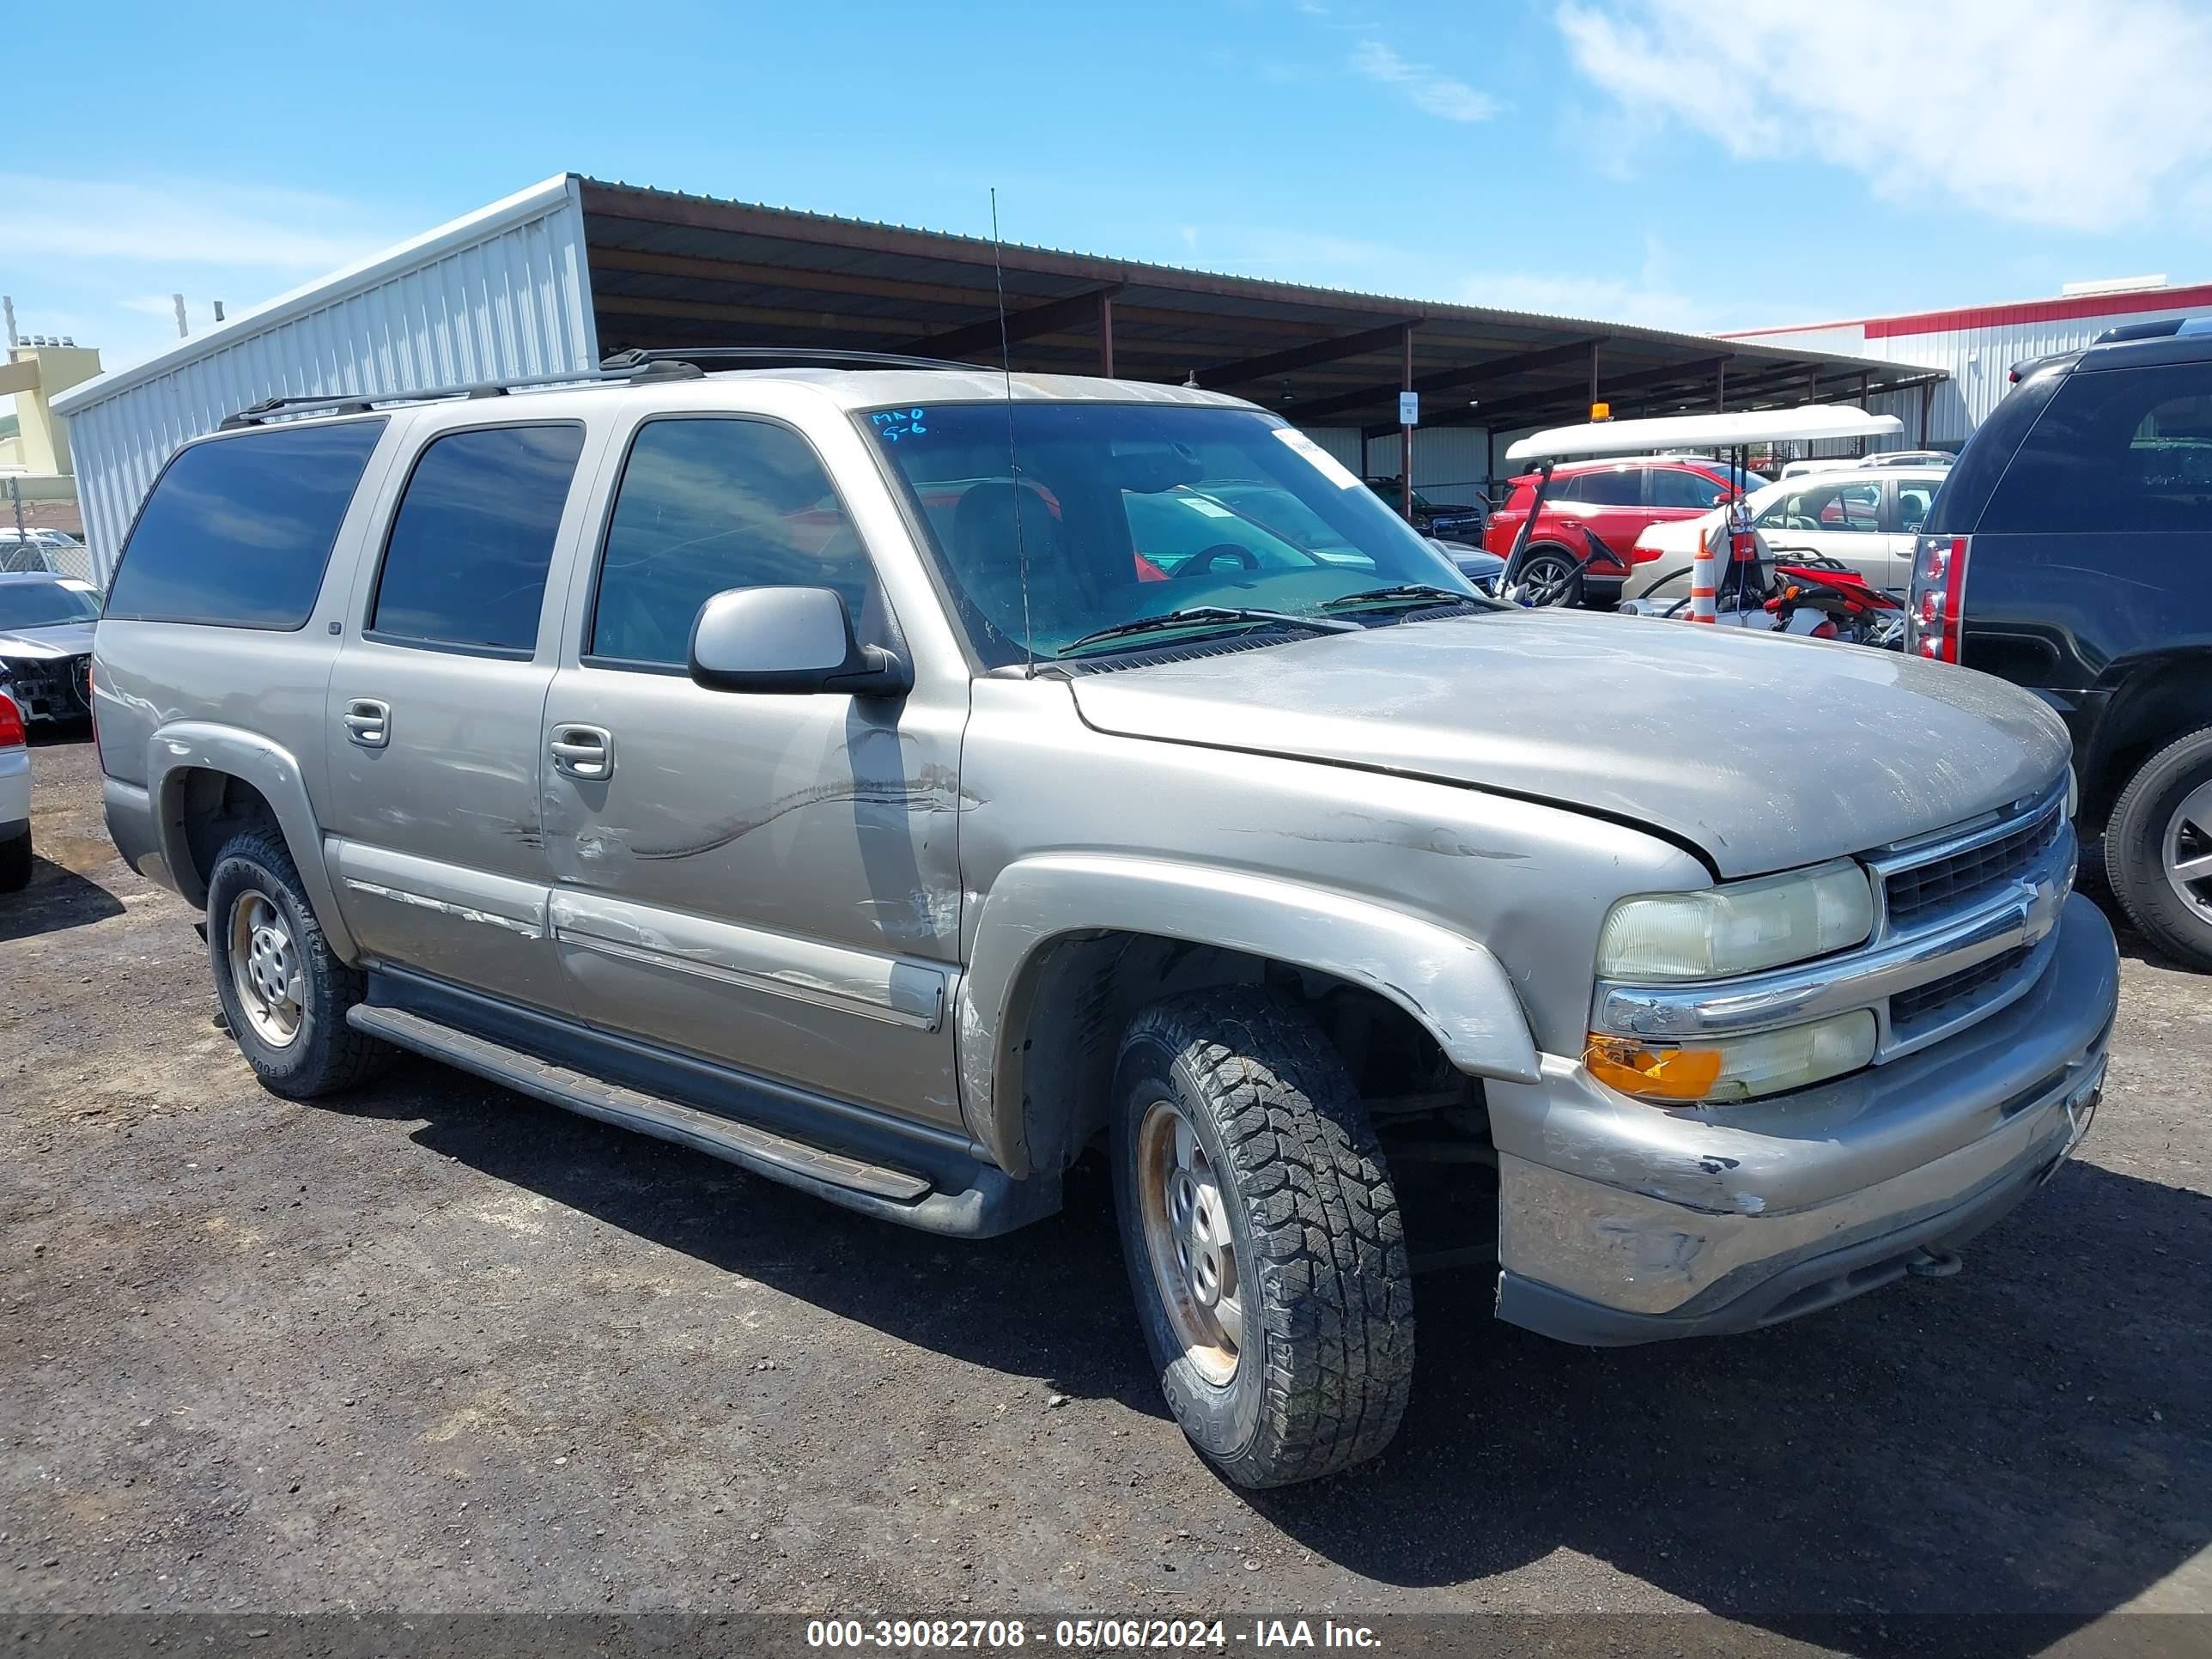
x: 57, y: 898
x: 1955, y: 1446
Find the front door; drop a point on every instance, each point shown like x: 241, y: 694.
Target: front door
x: 766, y: 881
x: 434, y: 711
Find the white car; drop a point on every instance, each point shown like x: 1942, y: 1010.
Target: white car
x: 15, y: 799
x: 1885, y: 458
x: 1865, y: 518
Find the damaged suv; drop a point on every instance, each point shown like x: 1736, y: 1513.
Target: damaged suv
x: 817, y: 766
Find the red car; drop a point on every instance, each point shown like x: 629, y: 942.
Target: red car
x: 1616, y: 499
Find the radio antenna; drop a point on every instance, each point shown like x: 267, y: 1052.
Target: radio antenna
x: 1013, y: 461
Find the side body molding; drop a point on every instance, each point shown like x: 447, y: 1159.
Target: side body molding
x: 1448, y: 981
x: 184, y: 746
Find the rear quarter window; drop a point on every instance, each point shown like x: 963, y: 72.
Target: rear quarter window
x: 238, y: 530
x: 2125, y: 449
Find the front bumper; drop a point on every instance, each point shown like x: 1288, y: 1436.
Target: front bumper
x: 49, y: 688
x: 1622, y: 1223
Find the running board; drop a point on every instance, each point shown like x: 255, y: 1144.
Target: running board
x: 774, y: 1155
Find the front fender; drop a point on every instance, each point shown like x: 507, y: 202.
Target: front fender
x: 1449, y: 982
x: 184, y: 746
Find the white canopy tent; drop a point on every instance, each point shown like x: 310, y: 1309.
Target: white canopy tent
x: 1737, y: 431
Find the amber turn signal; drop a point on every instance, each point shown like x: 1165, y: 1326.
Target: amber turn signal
x: 1664, y: 1073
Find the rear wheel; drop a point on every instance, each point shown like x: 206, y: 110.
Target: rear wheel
x: 2158, y: 848
x: 15, y: 863
x: 283, y: 993
x: 1262, y: 1237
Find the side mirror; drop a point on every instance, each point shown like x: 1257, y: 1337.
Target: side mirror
x: 789, y: 640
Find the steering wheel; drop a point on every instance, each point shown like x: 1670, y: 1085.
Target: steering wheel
x: 1205, y: 563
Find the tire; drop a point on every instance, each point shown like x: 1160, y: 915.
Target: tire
x: 2164, y: 816
x: 1302, y: 1223
x: 261, y: 932
x: 1557, y: 564
x: 15, y: 863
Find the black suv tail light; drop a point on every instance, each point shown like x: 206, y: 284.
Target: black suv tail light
x: 1939, y: 596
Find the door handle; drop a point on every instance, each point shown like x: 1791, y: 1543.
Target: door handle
x: 583, y: 751
x: 368, y: 722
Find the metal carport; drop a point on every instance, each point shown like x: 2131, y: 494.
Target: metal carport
x: 550, y: 280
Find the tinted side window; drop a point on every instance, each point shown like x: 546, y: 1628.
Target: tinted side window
x: 238, y: 530
x: 1620, y: 487
x: 710, y: 504
x: 466, y: 559
x: 1672, y: 487
x: 2127, y: 450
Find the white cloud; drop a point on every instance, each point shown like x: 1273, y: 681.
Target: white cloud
x: 2083, y: 115
x: 1647, y: 296
x: 182, y: 223
x: 1426, y: 88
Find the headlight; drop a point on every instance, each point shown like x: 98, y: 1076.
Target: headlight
x: 1739, y: 928
x: 2073, y: 794
x: 1732, y: 1068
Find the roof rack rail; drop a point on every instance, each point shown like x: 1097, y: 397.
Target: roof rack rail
x: 356, y: 403
x: 641, y: 358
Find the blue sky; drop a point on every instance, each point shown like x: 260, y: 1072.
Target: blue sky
x: 1678, y: 162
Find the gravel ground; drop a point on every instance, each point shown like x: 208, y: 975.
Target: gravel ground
x: 435, y: 1348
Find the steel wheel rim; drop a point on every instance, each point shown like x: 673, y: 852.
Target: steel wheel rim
x: 266, y: 968
x: 1188, y: 1242
x: 2187, y: 852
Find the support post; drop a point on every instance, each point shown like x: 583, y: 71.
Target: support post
x: 1865, y: 381
x: 1927, y: 406
x: 1405, y: 431
x: 1106, y: 335
x: 1593, y: 386
x: 1720, y: 389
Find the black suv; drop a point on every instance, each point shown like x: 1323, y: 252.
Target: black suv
x: 2070, y: 552
x: 1451, y: 521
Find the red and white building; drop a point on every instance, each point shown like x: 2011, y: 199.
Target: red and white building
x: 1978, y: 346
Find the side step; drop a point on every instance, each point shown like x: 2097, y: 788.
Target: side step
x: 830, y: 1173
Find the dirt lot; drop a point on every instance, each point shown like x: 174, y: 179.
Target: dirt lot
x: 434, y: 1347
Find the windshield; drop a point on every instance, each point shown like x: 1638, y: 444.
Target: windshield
x: 1129, y: 511
x: 44, y: 605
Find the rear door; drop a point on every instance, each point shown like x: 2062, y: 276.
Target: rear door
x: 2094, y: 550
x: 767, y: 881
x: 1607, y: 500
x: 435, y: 833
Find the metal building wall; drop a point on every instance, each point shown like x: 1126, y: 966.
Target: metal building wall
x: 1978, y: 359
x: 502, y: 293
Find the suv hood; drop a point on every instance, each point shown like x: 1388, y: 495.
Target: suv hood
x: 1766, y: 751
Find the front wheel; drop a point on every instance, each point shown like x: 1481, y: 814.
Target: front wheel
x: 2158, y: 848
x: 1262, y: 1237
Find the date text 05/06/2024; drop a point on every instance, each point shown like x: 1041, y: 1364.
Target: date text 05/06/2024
x: 1086, y: 1635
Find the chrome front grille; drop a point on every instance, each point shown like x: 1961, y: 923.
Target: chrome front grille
x: 1956, y: 878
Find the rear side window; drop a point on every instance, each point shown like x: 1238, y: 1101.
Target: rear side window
x: 1680, y: 487
x: 465, y: 562
x: 1618, y: 487
x: 709, y: 504
x: 238, y: 530
x: 2127, y: 450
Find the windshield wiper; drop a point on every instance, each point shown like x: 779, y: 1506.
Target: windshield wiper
x: 1210, y: 613
x: 1425, y: 593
